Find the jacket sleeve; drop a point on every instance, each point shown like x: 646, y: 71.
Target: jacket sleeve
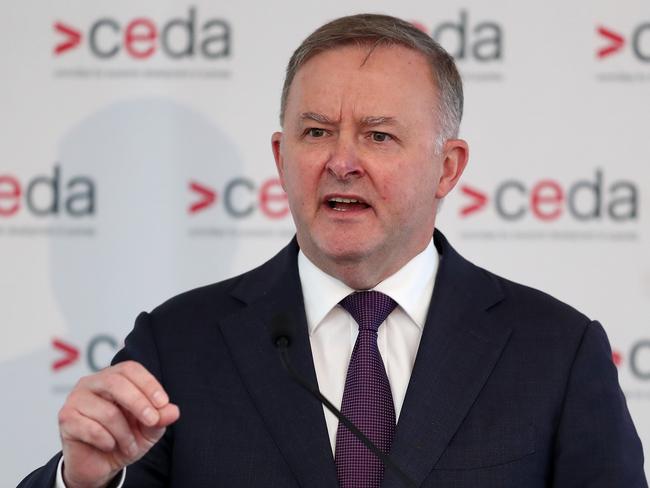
x: 596, y: 444
x: 43, y: 477
x: 152, y: 469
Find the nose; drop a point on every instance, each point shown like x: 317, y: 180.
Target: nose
x: 345, y: 162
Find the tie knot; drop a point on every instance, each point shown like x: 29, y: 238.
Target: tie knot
x: 369, y: 308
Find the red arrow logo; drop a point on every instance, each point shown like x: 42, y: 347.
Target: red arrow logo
x: 71, y: 354
x: 208, y: 197
x: 617, y: 358
x: 479, y: 200
x: 616, y: 42
x: 73, y: 37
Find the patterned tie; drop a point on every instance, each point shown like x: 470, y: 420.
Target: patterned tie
x: 367, y: 399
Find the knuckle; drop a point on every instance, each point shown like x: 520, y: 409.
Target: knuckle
x: 73, y: 398
x: 81, y: 383
x: 96, y: 433
x: 113, y: 382
x: 130, y: 367
x: 125, y: 367
x: 64, y: 415
x: 149, y: 387
x: 86, y: 382
x: 93, y: 434
x: 112, y: 413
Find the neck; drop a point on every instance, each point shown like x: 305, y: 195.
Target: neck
x: 366, y: 272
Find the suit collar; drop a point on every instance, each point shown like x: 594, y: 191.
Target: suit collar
x: 261, y: 282
x: 454, y: 271
x: 410, y: 287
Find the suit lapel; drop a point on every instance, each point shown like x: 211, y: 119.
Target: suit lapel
x: 460, y: 346
x: 294, y: 419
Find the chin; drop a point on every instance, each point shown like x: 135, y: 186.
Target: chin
x: 329, y: 247
x: 346, y: 252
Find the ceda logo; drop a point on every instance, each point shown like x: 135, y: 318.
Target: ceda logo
x: 466, y: 38
x: 94, y: 353
x: 637, y: 359
x: 590, y: 199
x: 241, y: 197
x: 47, y: 195
x: 182, y: 37
x: 613, y: 42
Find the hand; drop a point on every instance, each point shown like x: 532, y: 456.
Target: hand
x: 110, y: 420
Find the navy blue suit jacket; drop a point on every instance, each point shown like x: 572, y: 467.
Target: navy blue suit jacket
x: 510, y: 388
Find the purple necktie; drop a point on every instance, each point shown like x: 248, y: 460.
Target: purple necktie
x: 367, y: 399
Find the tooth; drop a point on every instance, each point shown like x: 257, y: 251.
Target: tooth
x: 343, y: 200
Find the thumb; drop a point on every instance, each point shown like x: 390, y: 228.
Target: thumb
x: 147, y: 436
x: 152, y: 434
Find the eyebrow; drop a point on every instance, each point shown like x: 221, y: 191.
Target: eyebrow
x: 372, y: 121
x: 369, y: 121
x: 323, y: 119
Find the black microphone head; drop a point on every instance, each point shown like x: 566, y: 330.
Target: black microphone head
x: 282, y: 330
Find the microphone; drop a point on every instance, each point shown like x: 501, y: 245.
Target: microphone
x: 281, y: 333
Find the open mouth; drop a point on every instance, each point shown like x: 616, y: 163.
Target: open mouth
x: 346, y: 204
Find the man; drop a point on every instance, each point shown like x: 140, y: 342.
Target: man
x: 491, y: 384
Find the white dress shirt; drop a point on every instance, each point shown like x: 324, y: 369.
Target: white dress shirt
x: 59, y: 476
x: 333, y: 331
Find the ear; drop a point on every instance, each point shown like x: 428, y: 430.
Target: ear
x: 455, y: 157
x: 276, y: 146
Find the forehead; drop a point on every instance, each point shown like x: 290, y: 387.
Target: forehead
x: 361, y: 78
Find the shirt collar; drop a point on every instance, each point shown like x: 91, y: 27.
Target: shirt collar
x: 411, y: 287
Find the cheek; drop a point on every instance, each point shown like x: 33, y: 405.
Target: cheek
x: 302, y: 178
x: 387, y: 190
x: 393, y: 190
x: 409, y: 183
x: 417, y: 191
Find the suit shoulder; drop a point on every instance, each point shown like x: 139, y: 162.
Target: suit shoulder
x: 211, y: 294
x: 215, y: 298
x: 529, y: 307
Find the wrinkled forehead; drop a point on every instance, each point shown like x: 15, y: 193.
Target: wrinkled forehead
x: 367, y: 75
x: 365, y: 51
x: 368, y: 49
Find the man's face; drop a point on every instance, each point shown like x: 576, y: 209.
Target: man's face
x: 358, y: 157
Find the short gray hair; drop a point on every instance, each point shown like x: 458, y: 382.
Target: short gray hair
x: 382, y: 30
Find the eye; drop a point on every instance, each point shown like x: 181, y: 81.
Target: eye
x: 315, y: 132
x: 380, y: 136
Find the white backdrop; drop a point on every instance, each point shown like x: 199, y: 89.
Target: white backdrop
x: 135, y: 163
